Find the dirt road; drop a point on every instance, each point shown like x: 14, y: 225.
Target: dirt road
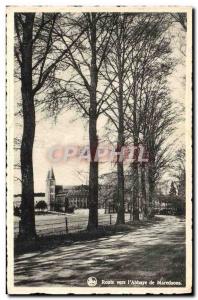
x: 155, y: 252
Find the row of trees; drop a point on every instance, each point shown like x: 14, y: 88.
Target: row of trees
x: 109, y: 64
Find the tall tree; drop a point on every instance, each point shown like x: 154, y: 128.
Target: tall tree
x: 149, y: 68
x: 114, y: 72
x: 79, y: 88
x: 139, y: 46
x: 27, y: 204
x: 162, y: 122
x: 37, y: 59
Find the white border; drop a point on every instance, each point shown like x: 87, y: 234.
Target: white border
x: 25, y: 290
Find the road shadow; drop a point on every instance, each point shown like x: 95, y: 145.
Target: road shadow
x: 45, y: 243
x: 153, y: 252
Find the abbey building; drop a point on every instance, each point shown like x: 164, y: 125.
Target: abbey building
x: 62, y: 198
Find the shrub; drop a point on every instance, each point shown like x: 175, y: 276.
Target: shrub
x: 41, y: 205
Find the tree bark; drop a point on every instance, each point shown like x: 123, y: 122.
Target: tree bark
x: 151, y: 182
x: 93, y: 177
x: 151, y: 178
x: 120, y: 167
x: 120, y: 205
x: 93, y: 138
x: 135, y: 198
x: 135, y: 192
x: 27, y: 204
x: 144, y: 192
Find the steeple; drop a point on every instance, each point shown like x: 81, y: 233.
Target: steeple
x: 50, y: 174
x: 50, y: 194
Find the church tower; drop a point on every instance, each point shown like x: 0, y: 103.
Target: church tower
x: 50, y: 190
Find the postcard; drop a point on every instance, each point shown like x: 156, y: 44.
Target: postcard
x: 99, y: 150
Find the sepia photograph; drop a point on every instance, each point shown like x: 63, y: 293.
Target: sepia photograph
x: 99, y: 150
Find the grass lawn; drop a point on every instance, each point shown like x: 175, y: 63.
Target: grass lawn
x: 54, y: 223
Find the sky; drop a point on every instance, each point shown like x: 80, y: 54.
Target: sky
x: 70, y: 129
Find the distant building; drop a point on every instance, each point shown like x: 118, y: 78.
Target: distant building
x: 61, y: 198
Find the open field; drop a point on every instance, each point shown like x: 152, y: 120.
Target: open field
x: 52, y: 224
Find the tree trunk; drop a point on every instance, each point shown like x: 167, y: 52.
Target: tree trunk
x: 151, y: 182
x: 135, y: 199
x: 144, y: 192
x: 120, y: 167
x: 93, y: 177
x: 120, y: 173
x: 93, y: 138
x: 27, y: 203
x: 120, y: 205
x: 135, y: 192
